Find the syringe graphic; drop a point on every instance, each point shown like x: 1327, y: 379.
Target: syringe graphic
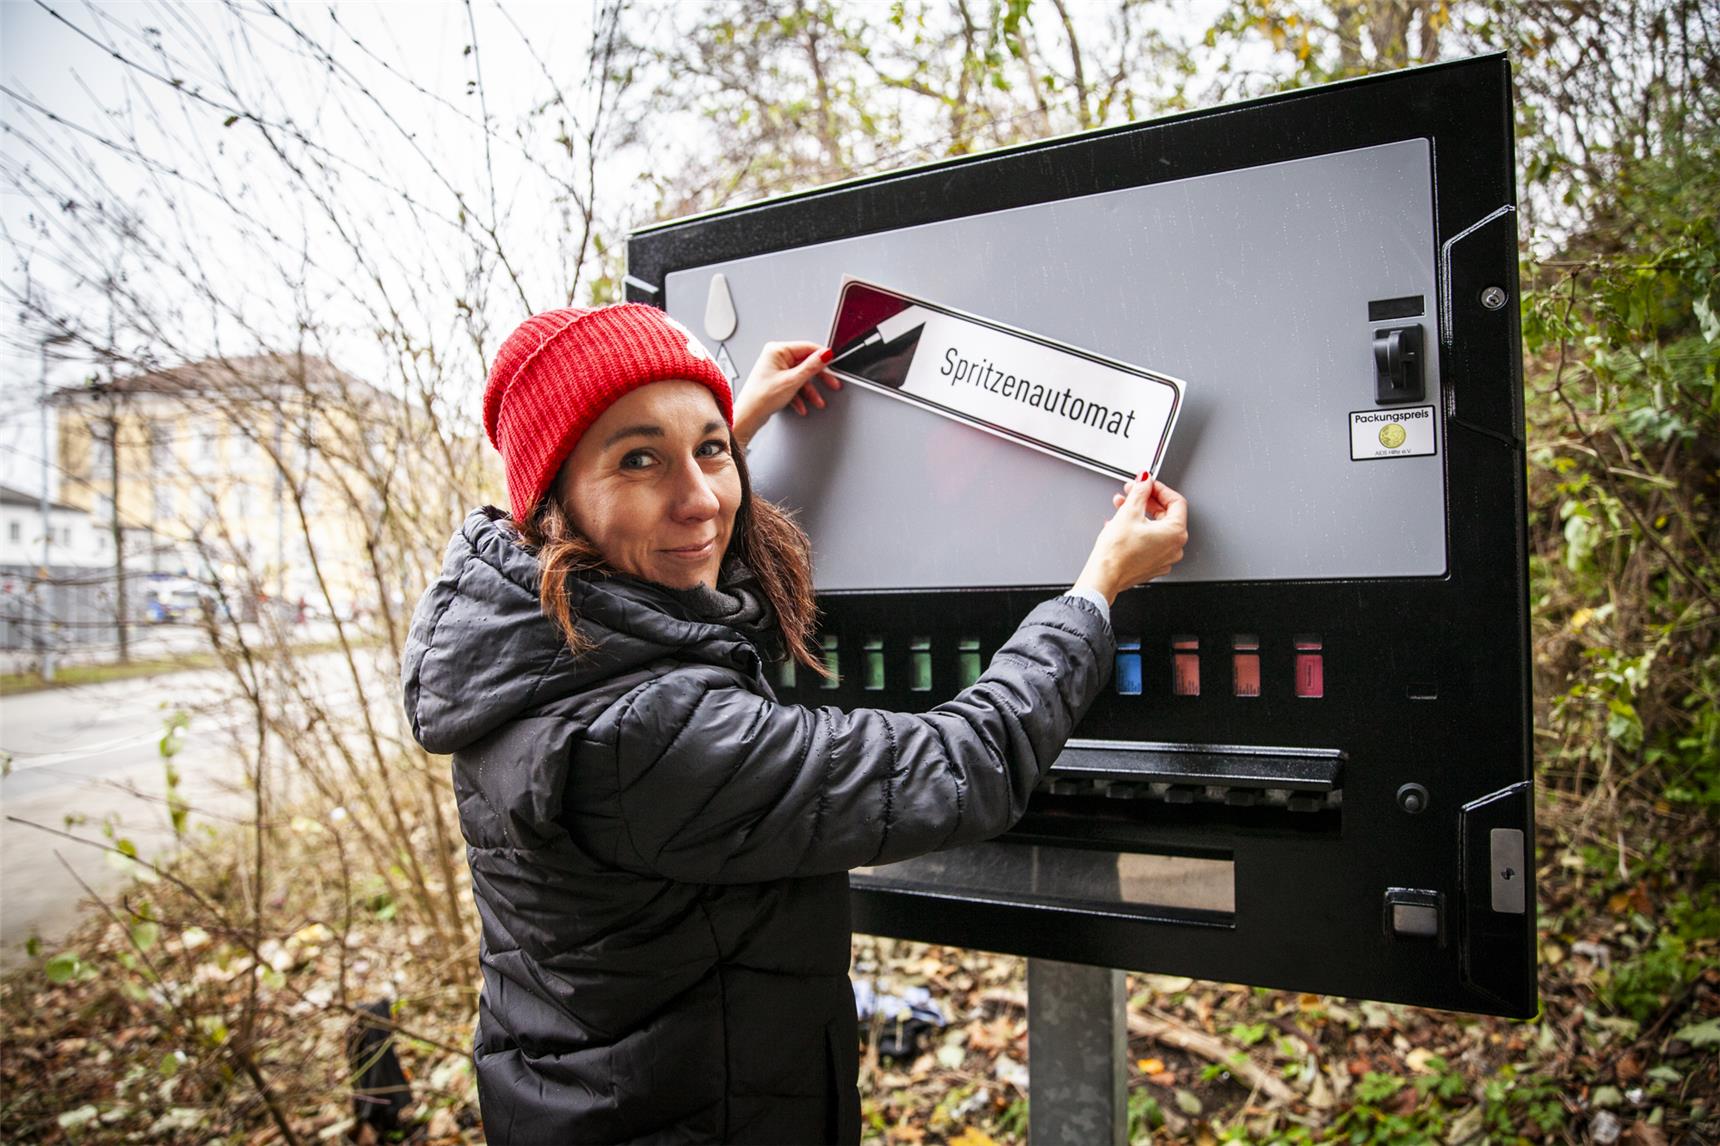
x: 883, y: 354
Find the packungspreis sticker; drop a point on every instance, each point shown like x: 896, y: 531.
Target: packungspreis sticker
x: 1400, y: 433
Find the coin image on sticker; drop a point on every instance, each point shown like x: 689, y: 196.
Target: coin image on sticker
x: 1391, y: 435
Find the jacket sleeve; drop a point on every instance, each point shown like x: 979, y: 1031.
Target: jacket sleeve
x: 717, y: 784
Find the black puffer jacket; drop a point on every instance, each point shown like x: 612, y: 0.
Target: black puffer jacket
x: 659, y: 850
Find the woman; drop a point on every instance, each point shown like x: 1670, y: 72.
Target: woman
x: 659, y: 850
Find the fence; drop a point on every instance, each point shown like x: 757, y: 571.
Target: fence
x: 72, y: 608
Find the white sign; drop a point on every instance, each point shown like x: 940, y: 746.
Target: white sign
x: 1400, y: 433
x: 1070, y: 403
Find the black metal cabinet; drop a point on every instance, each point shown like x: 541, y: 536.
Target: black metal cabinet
x: 1341, y: 802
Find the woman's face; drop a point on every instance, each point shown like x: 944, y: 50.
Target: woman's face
x: 654, y: 486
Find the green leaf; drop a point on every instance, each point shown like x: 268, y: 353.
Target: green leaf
x: 1376, y: 1087
x: 171, y: 1062
x: 1187, y: 1102
x: 33, y: 947
x: 63, y: 968
x: 1248, y: 1033
x: 144, y: 933
x: 173, y: 738
x: 1701, y: 1034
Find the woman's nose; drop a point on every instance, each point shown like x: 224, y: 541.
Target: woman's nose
x: 695, y: 498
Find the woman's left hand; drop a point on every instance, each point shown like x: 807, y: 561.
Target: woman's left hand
x: 782, y: 376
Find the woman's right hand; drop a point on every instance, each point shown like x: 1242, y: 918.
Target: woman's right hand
x: 1143, y: 539
x: 782, y: 376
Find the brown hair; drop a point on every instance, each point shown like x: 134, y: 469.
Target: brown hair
x: 766, y: 540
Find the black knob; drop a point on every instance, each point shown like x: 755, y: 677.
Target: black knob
x: 1412, y: 798
x: 1397, y: 365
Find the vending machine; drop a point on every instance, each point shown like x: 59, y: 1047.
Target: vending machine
x: 1312, y: 767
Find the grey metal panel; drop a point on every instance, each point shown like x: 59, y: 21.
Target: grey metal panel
x: 1252, y: 285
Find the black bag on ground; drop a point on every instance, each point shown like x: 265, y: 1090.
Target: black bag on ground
x: 380, y: 1091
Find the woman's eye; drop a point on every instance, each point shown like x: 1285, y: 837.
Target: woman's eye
x: 636, y: 460
x: 713, y: 449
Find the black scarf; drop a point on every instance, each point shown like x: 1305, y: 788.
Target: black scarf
x: 737, y: 601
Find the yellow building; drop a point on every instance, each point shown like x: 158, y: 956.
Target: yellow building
x: 266, y: 475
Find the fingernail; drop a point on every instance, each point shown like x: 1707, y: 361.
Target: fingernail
x: 826, y: 354
x: 1145, y: 476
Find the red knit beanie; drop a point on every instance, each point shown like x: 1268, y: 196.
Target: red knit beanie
x: 558, y: 372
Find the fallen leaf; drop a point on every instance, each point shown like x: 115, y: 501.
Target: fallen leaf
x: 1320, y: 1094
x: 1167, y: 984
x: 442, y: 1125
x: 1466, y: 1126
x: 992, y: 1036
x: 972, y: 1136
x: 1700, y: 1034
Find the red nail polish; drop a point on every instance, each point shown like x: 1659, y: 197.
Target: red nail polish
x: 1145, y: 476
x: 826, y: 355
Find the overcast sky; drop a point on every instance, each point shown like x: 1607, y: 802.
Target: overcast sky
x: 396, y: 128
x: 412, y: 56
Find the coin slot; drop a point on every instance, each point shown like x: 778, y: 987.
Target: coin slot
x: 1386, y: 309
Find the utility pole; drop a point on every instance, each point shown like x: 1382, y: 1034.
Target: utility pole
x: 44, y: 589
x: 119, y: 594
x: 280, y: 498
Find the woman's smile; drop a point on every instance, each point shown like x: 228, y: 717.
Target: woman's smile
x: 696, y: 552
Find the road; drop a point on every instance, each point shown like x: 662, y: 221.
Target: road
x: 93, y: 752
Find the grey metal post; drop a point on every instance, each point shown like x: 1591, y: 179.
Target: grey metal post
x: 1076, y: 1039
x: 44, y: 590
